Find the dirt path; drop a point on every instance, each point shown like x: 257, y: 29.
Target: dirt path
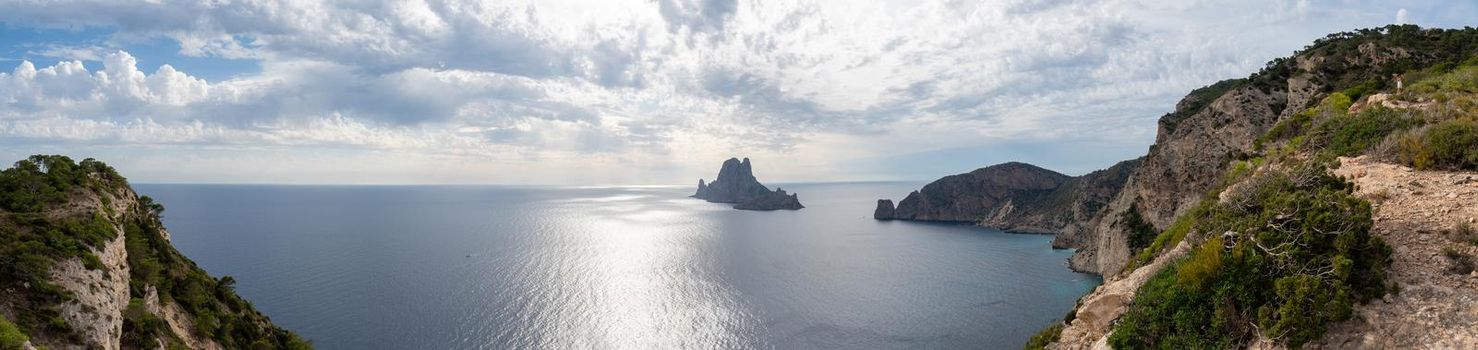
x: 1417, y: 213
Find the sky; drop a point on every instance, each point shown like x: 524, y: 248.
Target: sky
x: 611, y: 92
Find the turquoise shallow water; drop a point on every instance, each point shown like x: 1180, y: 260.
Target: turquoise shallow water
x: 487, y: 267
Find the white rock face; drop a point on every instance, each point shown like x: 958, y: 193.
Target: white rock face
x: 98, y: 296
x: 1095, y: 318
x: 178, y: 321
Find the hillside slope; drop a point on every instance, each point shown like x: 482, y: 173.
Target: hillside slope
x: 86, y: 263
x: 1219, y: 124
x: 1277, y: 243
x: 1428, y: 217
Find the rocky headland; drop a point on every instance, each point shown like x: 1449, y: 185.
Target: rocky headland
x: 1015, y: 197
x: 1313, y: 204
x: 85, y: 263
x: 736, y: 184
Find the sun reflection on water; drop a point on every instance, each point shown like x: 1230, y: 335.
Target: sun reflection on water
x: 635, y: 282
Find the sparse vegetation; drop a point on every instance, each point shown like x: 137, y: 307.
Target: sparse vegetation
x: 1197, y: 100
x: 142, y: 329
x: 1288, y: 251
x: 1141, y: 233
x: 11, y: 337
x: 1170, y: 237
x: 1286, y: 266
x: 34, y: 237
x: 1044, y: 337
x: 1352, y: 135
x: 1451, y: 144
x: 1459, y: 263
x: 1465, y: 233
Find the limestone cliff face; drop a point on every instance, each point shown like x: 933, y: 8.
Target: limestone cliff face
x: 736, y: 184
x: 99, y: 272
x: 1195, y: 144
x: 101, y: 296
x: 1215, y: 125
x: 1192, y: 148
x: 1069, y: 209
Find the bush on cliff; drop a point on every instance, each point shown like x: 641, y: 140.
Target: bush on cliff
x: 1451, y: 144
x: 11, y: 337
x: 1284, y: 263
x: 1044, y: 337
x: 35, y: 235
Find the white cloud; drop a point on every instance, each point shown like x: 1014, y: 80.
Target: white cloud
x: 1401, y: 16
x: 650, y: 82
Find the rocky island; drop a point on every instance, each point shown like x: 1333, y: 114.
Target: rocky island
x: 736, y: 184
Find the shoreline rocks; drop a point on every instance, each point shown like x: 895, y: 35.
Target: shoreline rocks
x: 885, y: 210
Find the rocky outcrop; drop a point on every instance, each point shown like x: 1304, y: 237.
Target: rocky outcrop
x: 1016, y: 197
x: 885, y: 210
x: 1213, y: 127
x: 1192, y: 149
x: 1069, y: 210
x: 778, y: 200
x: 177, y: 320
x: 977, y: 195
x: 1093, y: 320
x: 736, y: 184
x: 1218, y: 124
x: 99, y: 293
x: 100, y: 285
x: 99, y: 296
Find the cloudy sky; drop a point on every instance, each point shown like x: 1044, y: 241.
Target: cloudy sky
x: 626, y: 91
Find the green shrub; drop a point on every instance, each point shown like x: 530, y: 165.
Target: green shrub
x: 1141, y: 233
x: 42, y: 179
x: 1460, y: 80
x: 141, y: 329
x: 1202, y: 267
x: 1296, y: 260
x: 32, y: 241
x: 1451, y: 144
x: 1044, y: 337
x: 1303, y: 309
x: 1170, y: 237
x: 1367, y: 87
x: 1344, y: 135
x: 11, y: 337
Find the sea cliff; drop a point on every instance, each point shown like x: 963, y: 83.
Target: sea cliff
x: 86, y: 263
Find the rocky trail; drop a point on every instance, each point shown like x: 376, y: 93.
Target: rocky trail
x: 1419, y: 213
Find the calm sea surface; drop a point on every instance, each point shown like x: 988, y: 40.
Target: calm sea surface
x: 450, y: 267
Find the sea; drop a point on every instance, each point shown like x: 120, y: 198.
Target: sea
x: 536, y: 267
